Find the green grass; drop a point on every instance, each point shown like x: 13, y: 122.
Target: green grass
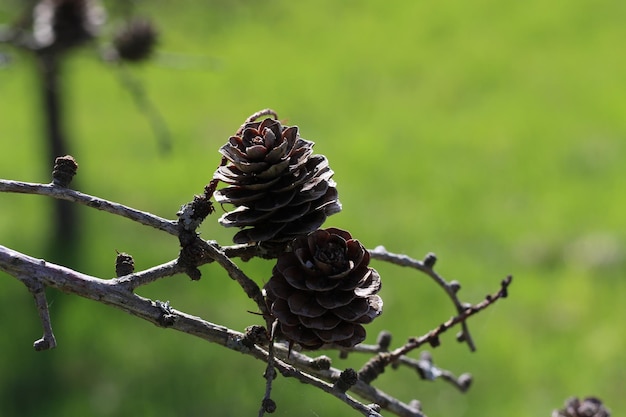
x: 490, y: 133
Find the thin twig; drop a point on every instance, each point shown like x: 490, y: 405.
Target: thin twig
x: 213, y: 250
x: 28, y: 269
x: 145, y: 105
x: 427, y: 370
x: 424, y: 367
x: 51, y: 190
x: 432, y: 337
x: 426, y: 267
x: 290, y: 371
x: 322, y: 370
x: 377, y: 365
x: 132, y: 281
x: 249, y: 286
x: 267, y: 404
x: 255, y: 116
x: 48, y: 341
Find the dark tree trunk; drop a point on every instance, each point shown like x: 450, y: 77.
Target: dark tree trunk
x: 63, y: 240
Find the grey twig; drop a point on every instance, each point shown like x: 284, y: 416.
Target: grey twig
x: 432, y: 337
x: 289, y: 370
x: 132, y: 281
x: 61, y: 193
x: 28, y: 269
x: 149, y: 109
x: 267, y: 404
x: 48, y: 341
x: 377, y: 365
x: 325, y: 372
x: 427, y: 370
x: 249, y: 286
x: 427, y: 266
x: 424, y: 366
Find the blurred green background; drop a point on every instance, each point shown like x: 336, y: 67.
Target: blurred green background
x: 491, y: 133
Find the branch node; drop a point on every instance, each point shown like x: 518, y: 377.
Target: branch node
x: 455, y: 286
x: 48, y: 341
x: 504, y: 292
x: 167, y: 317
x: 425, y: 367
x: 374, y: 367
x: 192, y: 253
x: 255, y: 335
x: 43, y: 344
x: 434, y: 340
x: 65, y: 168
x: 124, y: 264
x: 192, y: 214
x: 269, y: 405
x: 346, y: 380
x: 321, y: 363
x: 416, y: 406
x: 384, y: 341
x: 430, y: 260
x: 464, y: 382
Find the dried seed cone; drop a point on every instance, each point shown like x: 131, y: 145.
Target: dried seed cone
x: 124, y: 264
x: 136, y: 40
x: 323, y: 291
x: 589, y: 407
x: 64, y: 170
x: 279, y: 188
x: 64, y: 24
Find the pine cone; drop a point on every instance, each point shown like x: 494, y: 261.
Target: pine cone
x: 323, y: 290
x: 589, y: 407
x: 280, y: 189
x: 64, y: 24
x: 136, y: 40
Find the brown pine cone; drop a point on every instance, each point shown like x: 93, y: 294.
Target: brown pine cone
x: 280, y: 189
x: 589, y: 407
x: 63, y: 24
x: 323, y: 290
x: 136, y: 40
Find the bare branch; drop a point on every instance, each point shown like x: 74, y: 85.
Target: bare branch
x: 321, y: 368
x: 61, y: 193
x: 26, y: 268
x: 424, y: 366
x: 147, y: 107
x: 379, y: 363
x: 432, y: 337
x: 48, y: 341
x: 426, y: 266
x: 427, y: 370
x: 132, y: 281
x: 113, y: 293
x: 267, y: 404
x: 249, y: 286
x: 118, y: 292
x: 291, y: 371
x: 255, y: 116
